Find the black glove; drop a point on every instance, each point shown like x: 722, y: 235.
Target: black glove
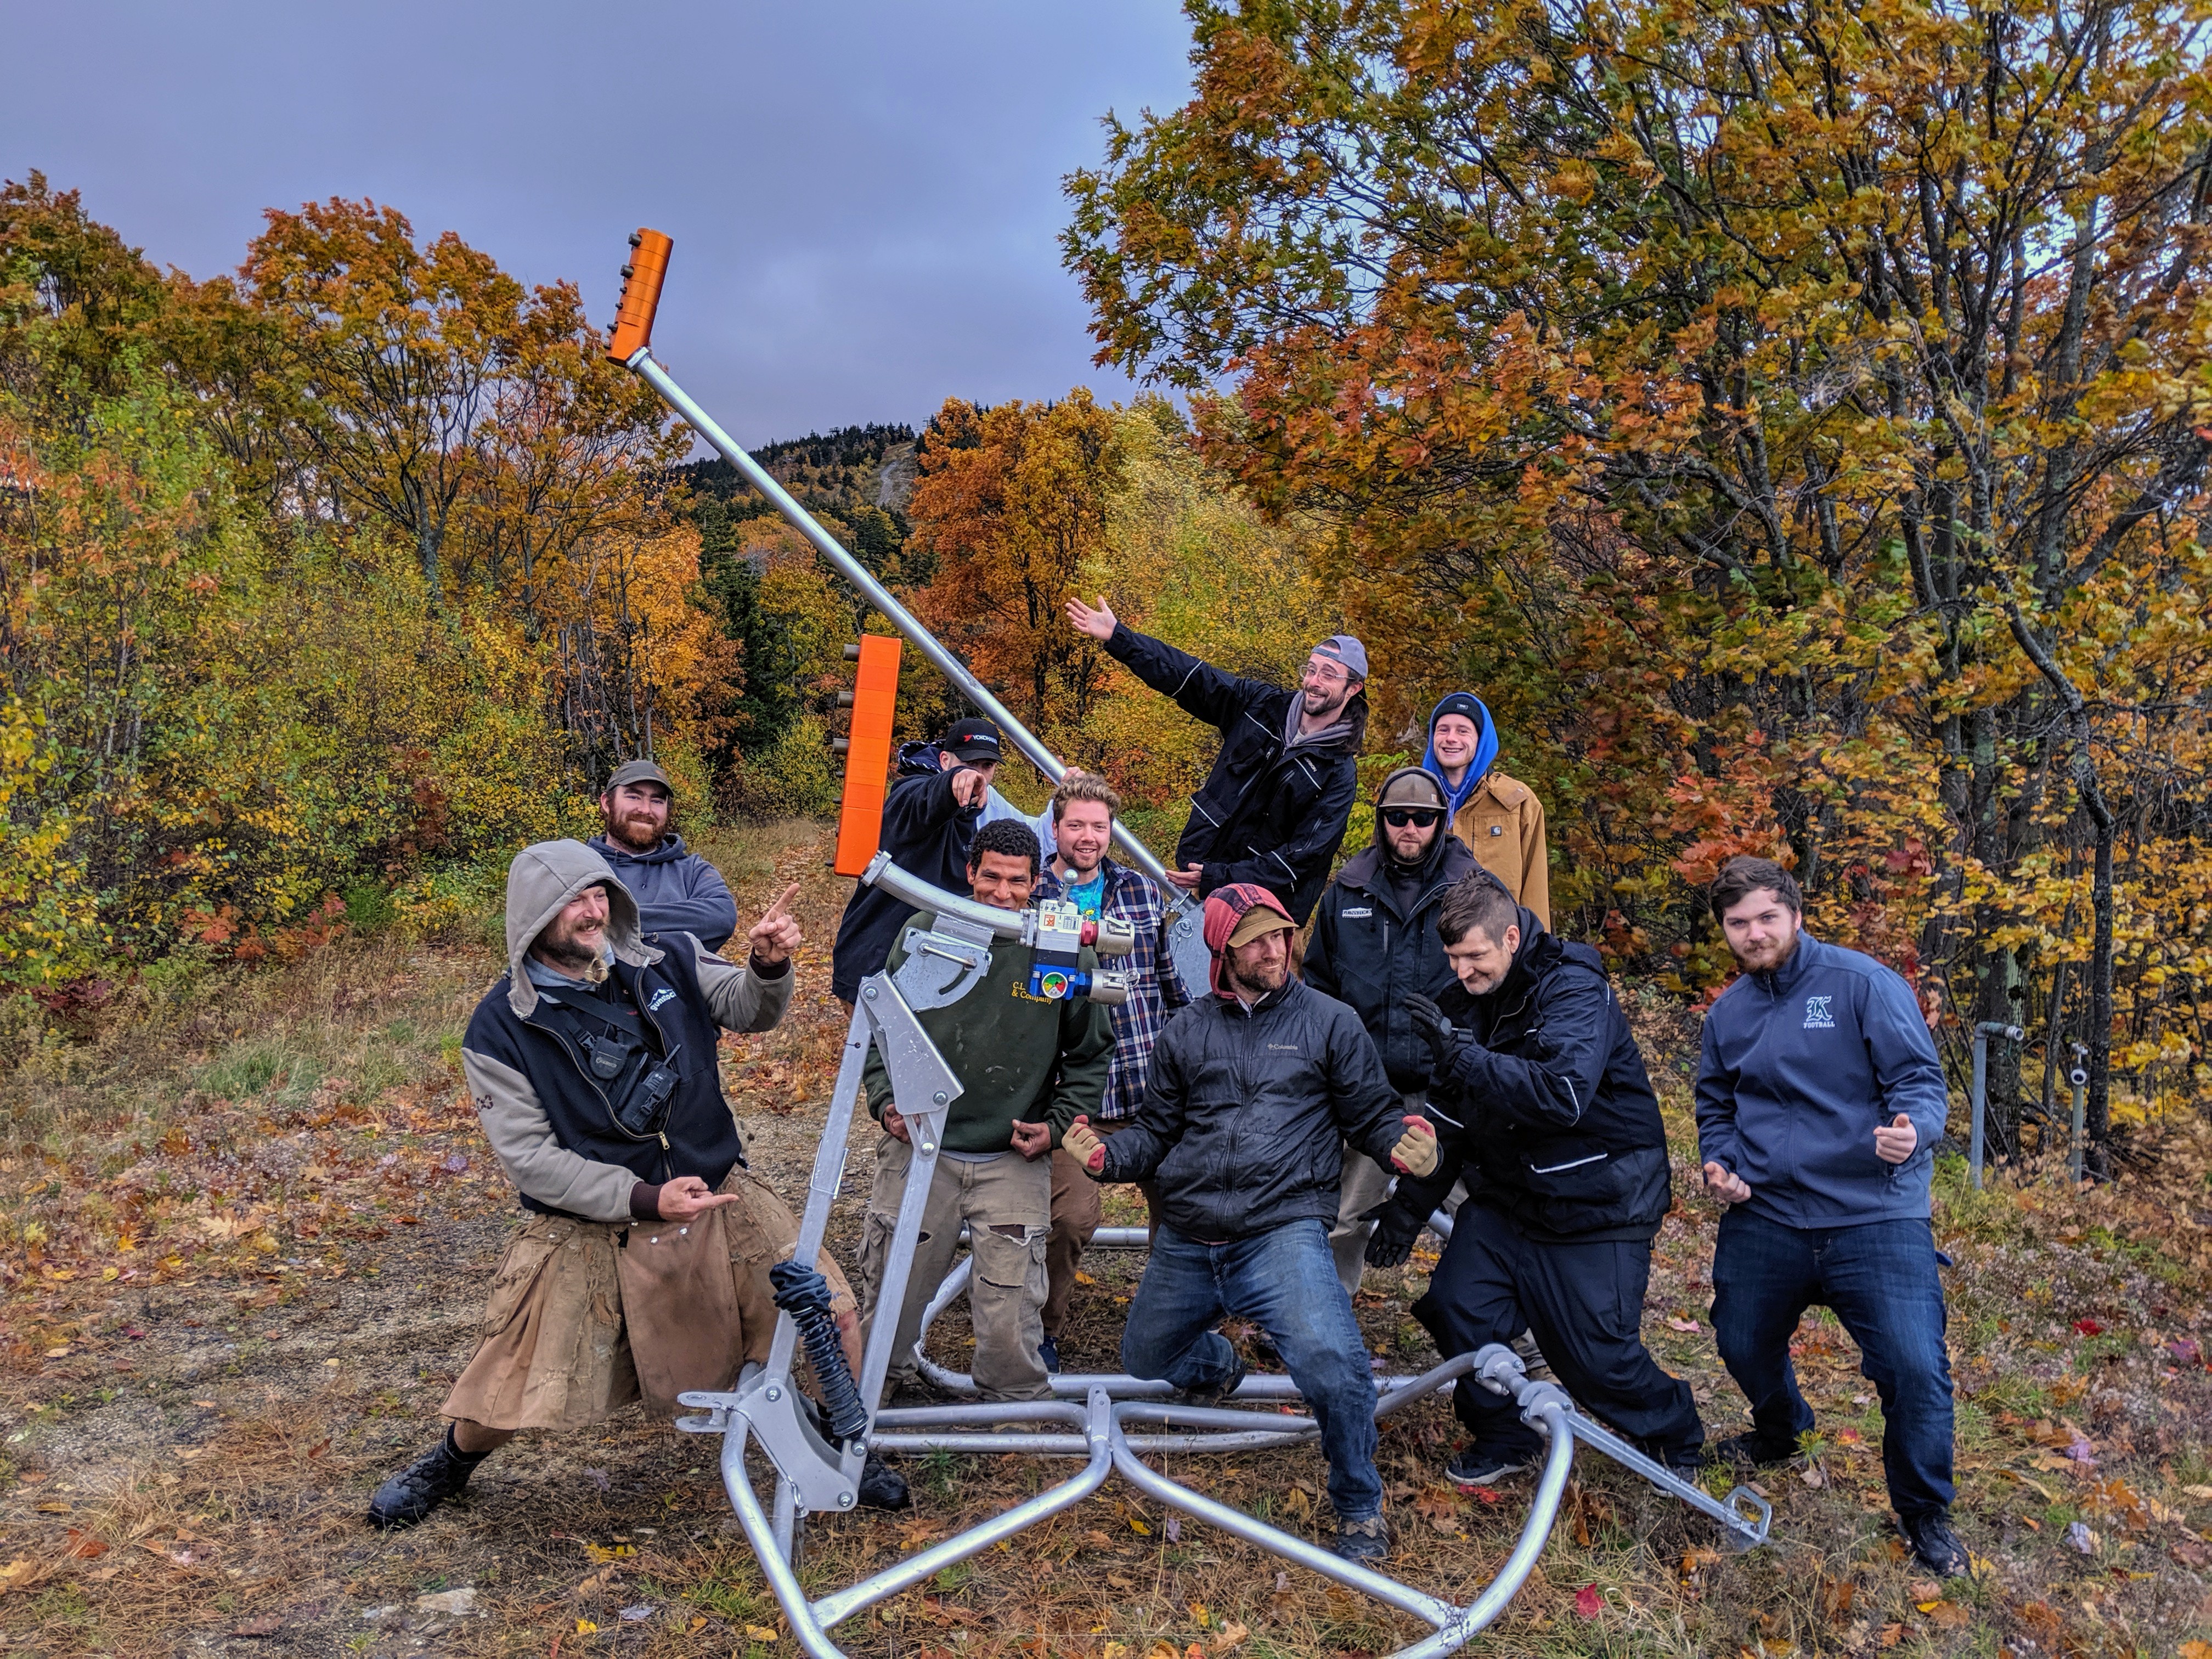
x: 1392, y: 1241
x: 1432, y: 1027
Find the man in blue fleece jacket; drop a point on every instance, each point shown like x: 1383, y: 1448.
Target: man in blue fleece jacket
x: 1820, y: 1103
x: 677, y: 891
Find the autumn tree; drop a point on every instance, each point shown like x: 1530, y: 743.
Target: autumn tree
x: 1786, y: 415
x: 1009, y: 503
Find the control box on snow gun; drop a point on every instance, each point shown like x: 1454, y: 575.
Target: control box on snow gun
x: 1057, y: 939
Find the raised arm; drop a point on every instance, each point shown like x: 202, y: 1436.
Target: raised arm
x: 753, y: 996
x: 1550, y: 1094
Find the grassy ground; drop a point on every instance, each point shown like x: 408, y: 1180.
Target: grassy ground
x: 245, y: 1226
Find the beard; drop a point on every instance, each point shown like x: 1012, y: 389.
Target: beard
x: 574, y: 955
x: 1767, y: 960
x: 1326, y: 704
x: 638, y: 831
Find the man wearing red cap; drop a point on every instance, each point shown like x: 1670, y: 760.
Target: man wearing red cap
x: 1253, y: 1092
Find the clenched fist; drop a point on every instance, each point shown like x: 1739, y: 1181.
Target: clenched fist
x: 1085, y: 1146
x: 1416, y: 1151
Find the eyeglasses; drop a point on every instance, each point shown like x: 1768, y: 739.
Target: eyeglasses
x: 1399, y: 817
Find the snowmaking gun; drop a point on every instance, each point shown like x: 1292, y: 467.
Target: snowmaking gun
x: 1107, y: 1423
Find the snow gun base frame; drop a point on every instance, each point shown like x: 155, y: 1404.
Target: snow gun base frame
x: 1110, y: 1423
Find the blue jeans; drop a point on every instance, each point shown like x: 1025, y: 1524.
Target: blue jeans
x: 1285, y: 1282
x: 1880, y: 1281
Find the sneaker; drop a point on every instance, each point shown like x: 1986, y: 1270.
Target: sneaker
x: 1364, y: 1540
x: 1048, y: 1353
x: 1753, y: 1449
x: 882, y: 1487
x: 439, y: 1474
x: 1471, y: 1467
x: 1213, y: 1396
x: 1937, y: 1545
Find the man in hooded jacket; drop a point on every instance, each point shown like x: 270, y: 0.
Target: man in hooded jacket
x: 1374, y: 944
x: 937, y: 802
x: 1498, y: 818
x: 641, y: 1267
x: 1540, y: 1096
x: 1253, y: 1090
x: 1272, y: 811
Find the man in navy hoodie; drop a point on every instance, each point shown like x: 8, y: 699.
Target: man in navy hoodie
x: 1820, y: 1103
x: 677, y: 891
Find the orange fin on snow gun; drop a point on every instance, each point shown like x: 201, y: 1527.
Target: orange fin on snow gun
x: 640, y: 295
x: 868, y: 754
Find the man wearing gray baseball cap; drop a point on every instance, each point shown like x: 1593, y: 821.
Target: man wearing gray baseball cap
x: 677, y: 891
x: 1273, y: 809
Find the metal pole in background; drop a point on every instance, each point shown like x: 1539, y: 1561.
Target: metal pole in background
x: 2079, y: 1077
x: 1980, y: 1097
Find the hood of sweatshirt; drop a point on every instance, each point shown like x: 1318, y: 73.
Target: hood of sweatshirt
x: 917, y: 760
x: 543, y: 877
x: 1486, y: 746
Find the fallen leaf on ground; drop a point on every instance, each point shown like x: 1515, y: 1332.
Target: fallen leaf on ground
x: 84, y: 1546
x: 17, y: 1574
x: 1682, y: 1325
x: 1588, y: 1602
x: 1233, y: 1635
x: 759, y: 1633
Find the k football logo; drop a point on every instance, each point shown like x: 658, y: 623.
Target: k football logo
x: 1817, y: 1017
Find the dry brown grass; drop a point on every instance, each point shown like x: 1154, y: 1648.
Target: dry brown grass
x: 205, y: 1441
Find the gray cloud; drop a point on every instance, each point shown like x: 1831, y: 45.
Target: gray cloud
x: 865, y: 195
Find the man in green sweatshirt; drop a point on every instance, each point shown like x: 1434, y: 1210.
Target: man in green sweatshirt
x: 1028, y: 1066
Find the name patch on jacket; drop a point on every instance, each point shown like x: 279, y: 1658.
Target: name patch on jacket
x: 658, y: 997
x: 1350, y: 914
x: 1817, y: 1017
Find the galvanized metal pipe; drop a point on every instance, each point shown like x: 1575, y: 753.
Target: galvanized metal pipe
x: 1979, y: 1096
x: 882, y: 599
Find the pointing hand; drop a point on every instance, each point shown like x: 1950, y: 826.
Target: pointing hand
x: 1894, y: 1144
x: 1726, y: 1185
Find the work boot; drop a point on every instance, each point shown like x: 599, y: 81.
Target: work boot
x: 1937, y: 1545
x: 1364, y: 1540
x: 1211, y: 1395
x: 1753, y: 1449
x: 1470, y: 1466
x: 439, y: 1474
x: 882, y: 1487
x: 1048, y: 1356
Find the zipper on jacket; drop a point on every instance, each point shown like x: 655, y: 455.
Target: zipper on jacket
x: 589, y: 1082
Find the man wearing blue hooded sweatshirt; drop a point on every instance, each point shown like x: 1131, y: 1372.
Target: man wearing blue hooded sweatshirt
x: 1498, y: 818
x: 1820, y: 1099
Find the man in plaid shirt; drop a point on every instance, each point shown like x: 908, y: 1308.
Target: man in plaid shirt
x: 1082, y: 810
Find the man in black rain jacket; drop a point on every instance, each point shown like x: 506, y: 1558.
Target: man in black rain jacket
x: 1272, y: 810
x: 1374, y: 944
x: 1540, y: 1096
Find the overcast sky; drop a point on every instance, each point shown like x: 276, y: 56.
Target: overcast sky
x: 865, y: 195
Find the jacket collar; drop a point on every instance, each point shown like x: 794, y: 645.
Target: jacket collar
x: 1366, y: 872
x: 1806, y: 956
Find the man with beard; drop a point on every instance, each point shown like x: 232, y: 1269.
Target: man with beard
x: 643, y: 1268
x: 936, y: 803
x: 1820, y: 1099
x: 1254, y: 1090
x: 1548, y: 1110
x: 1272, y: 810
x: 676, y: 890
x: 1081, y: 820
x: 1374, y: 944
x: 1498, y: 818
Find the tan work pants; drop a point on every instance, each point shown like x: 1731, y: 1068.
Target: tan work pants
x: 1006, y: 1203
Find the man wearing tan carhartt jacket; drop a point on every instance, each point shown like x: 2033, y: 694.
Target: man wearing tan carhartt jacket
x: 1498, y: 818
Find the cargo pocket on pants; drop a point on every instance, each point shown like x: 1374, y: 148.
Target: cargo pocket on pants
x: 1011, y: 1258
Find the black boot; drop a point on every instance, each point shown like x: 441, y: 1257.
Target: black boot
x: 439, y: 1474
x: 882, y: 1487
x: 1937, y: 1545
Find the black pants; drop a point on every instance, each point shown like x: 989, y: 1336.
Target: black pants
x: 1585, y: 1304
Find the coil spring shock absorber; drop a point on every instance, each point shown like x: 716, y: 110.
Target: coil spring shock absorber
x: 804, y: 1293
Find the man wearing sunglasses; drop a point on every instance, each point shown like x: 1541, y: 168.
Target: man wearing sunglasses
x: 1374, y: 944
x: 1272, y: 810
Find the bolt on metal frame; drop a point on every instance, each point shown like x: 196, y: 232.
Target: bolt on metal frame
x: 1090, y: 1417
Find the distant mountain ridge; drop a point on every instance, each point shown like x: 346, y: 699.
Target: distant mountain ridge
x: 840, y: 471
